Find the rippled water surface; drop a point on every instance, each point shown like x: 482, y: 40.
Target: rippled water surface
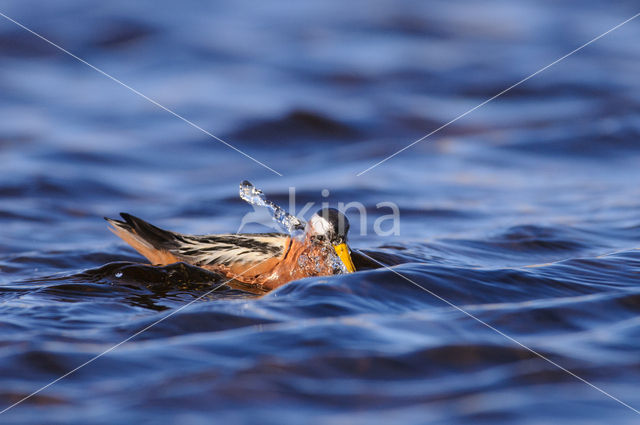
x: 525, y: 213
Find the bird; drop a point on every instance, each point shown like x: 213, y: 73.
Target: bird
x: 263, y: 260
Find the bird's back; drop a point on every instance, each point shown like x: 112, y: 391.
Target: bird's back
x: 161, y: 246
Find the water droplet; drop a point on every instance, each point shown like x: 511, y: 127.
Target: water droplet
x: 254, y: 196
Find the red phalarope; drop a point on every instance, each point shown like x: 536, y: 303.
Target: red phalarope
x: 267, y: 260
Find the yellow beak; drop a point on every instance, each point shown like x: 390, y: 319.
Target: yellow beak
x: 343, y: 252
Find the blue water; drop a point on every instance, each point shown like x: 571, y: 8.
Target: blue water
x: 546, y: 176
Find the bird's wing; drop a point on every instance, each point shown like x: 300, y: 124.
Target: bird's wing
x: 163, y: 246
x: 230, y: 249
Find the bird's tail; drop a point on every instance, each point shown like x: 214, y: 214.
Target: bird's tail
x: 154, y: 243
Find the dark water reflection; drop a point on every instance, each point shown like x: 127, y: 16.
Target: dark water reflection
x: 524, y: 213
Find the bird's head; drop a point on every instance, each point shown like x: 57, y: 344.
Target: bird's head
x: 330, y: 225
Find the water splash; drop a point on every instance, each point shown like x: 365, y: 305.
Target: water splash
x: 295, y: 227
x: 254, y: 196
x: 329, y: 259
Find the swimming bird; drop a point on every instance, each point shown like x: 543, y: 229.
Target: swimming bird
x: 267, y: 260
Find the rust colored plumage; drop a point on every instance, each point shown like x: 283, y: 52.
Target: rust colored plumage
x: 267, y: 260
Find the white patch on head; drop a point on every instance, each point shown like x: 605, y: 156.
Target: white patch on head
x: 319, y: 226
